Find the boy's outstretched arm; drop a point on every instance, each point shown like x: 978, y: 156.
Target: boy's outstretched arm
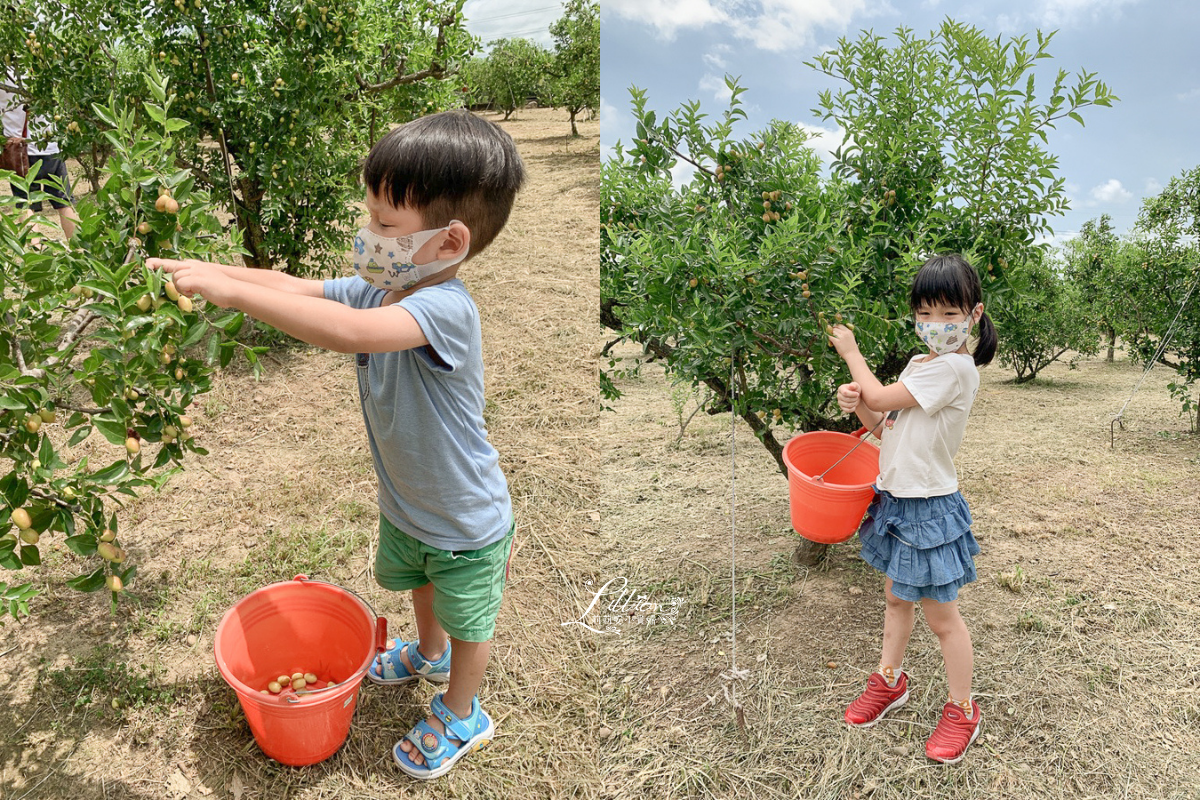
x: 316, y: 320
x: 263, y: 277
x: 873, y: 393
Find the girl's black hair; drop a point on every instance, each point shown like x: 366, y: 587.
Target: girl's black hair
x: 952, y: 280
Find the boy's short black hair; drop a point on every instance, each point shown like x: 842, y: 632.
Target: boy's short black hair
x: 448, y: 166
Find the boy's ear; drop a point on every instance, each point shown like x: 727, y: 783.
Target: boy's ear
x: 456, y: 242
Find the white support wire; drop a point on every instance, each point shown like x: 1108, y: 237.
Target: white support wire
x: 734, y: 674
x: 1162, y: 347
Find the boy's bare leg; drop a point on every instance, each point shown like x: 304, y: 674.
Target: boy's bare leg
x: 470, y: 661
x: 431, y: 636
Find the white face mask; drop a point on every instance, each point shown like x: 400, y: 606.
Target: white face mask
x: 386, y: 262
x: 944, y: 337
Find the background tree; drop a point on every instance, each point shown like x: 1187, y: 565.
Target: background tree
x: 1043, y: 318
x: 1090, y: 262
x: 1166, y: 302
x: 513, y: 73
x: 96, y: 344
x: 575, y: 82
x: 283, y: 98
x: 738, y: 271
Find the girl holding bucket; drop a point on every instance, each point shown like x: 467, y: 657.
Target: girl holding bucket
x: 918, y: 529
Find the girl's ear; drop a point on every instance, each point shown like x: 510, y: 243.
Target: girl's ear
x: 977, y: 313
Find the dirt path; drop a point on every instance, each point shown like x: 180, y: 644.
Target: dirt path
x: 288, y: 488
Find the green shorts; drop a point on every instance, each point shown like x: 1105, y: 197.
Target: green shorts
x: 467, y: 584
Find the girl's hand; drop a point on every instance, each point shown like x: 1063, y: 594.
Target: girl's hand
x: 848, y: 395
x: 842, y: 339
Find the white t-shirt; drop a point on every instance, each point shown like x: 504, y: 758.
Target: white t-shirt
x: 916, y: 457
x: 12, y: 114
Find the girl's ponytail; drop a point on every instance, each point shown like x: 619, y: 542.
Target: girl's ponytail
x: 985, y: 346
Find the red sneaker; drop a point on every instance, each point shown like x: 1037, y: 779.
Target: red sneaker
x: 954, y: 734
x: 877, y: 700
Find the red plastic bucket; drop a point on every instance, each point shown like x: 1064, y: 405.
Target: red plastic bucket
x: 829, y: 510
x: 299, y: 626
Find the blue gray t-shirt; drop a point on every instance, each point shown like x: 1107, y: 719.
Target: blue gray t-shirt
x: 439, y: 476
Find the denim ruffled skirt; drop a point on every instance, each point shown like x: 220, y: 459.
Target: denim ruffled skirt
x: 924, y: 544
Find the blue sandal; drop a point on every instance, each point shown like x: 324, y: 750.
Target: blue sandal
x: 393, y: 671
x: 440, y: 753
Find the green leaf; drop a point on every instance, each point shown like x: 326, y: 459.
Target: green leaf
x: 89, y: 582
x: 83, y: 544
x: 113, y: 430
x: 234, y: 324
x: 79, y: 435
x: 195, y: 333
x: 30, y: 556
x: 113, y: 473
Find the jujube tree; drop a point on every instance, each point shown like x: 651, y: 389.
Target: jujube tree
x: 101, y: 357
x: 733, y: 276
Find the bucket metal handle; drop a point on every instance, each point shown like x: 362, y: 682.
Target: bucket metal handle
x: 861, y: 434
x: 380, y: 622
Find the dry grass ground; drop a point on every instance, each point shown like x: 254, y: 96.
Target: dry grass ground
x: 1085, y: 615
x: 288, y: 488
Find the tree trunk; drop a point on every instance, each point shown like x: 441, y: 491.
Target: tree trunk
x: 809, y: 554
x: 249, y: 215
x: 574, y: 129
x: 1112, y: 343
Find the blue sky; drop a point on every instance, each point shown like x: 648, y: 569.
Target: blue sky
x: 1143, y: 49
x: 512, y: 19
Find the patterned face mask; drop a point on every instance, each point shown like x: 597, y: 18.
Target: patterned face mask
x: 387, y: 262
x: 944, y: 337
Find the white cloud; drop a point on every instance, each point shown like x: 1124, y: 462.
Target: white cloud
x: 608, y: 112
x: 773, y: 25
x: 614, y: 123
x: 1188, y: 96
x: 716, y: 59
x: 1055, y: 13
x: 1111, y: 191
x: 712, y: 83
x: 789, y: 24
x: 681, y: 173
x: 823, y: 141
x: 667, y: 16
x: 1152, y: 187
x: 1058, y: 239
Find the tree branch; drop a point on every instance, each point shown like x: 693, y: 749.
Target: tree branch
x: 83, y: 410
x: 720, y: 389
x: 434, y: 70
x: 183, y: 164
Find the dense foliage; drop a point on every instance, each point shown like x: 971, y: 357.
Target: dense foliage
x: 732, y: 270
x: 282, y: 98
x: 101, y: 357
